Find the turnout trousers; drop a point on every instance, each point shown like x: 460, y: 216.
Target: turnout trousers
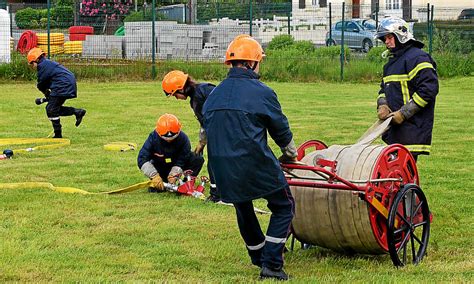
x: 267, y: 250
x: 55, y: 109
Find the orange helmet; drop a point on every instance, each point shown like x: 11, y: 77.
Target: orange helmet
x: 244, y: 47
x: 168, y: 126
x: 34, y: 54
x: 173, y: 81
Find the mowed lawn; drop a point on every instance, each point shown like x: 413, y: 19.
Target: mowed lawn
x: 46, y: 236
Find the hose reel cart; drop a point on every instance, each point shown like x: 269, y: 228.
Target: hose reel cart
x: 360, y: 199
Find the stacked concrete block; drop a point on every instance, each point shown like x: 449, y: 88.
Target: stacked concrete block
x: 178, y: 41
x: 137, y: 47
x: 103, y: 46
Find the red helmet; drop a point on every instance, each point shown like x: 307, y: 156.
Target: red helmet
x: 173, y: 81
x: 168, y: 127
x: 34, y: 54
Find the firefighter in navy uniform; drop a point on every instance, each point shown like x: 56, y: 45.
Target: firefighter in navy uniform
x: 167, y: 153
x: 181, y: 86
x: 408, y: 89
x: 58, y: 84
x: 238, y: 114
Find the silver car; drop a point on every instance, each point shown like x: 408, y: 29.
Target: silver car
x: 355, y: 36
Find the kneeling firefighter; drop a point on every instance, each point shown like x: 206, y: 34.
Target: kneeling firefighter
x: 167, y: 153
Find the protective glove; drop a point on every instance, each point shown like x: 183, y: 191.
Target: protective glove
x: 39, y: 101
x: 157, y: 183
x: 398, y: 117
x: 199, y: 148
x: 383, y: 112
x: 172, y: 179
x: 284, y: 159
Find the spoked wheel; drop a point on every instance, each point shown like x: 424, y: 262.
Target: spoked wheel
x: 310, y: 144
x: 408, y: 226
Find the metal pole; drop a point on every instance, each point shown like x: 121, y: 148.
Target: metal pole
x: 49, y: 28
x: 428, y: 20
x: 342, y: 41
x: 376, y: 19
x: 250, y: 17
x: 153, y: 40
x: 11, y: 19
x: 289, y: 23
x: 431, y: 30
x: 330, y: 23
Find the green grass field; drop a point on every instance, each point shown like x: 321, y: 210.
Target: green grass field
x: 46, y: 236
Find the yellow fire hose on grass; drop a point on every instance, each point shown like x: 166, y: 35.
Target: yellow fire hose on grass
x: 52, y: 143
x: 120, y: 146
x: 47, y: 185
x: 47, y: 143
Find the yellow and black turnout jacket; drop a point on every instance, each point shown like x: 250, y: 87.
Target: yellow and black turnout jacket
x: 410, y: 74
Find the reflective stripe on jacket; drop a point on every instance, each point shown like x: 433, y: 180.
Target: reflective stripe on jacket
x: 411, y: 75
x: 238, y: 114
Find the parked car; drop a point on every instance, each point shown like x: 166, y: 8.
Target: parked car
x: 368, y: 24
x: 466, y: 14
x: 355, y: 35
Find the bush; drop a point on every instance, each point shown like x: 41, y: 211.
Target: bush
x: 64, y: 16
x: 304, y: 46
x: 375, y: 54
x: 450, y: 41
x: 29, y: 18
x: 332, y: 52
x: 452, y: 64
x: 281, y: 42
x: 18, y: 69
x: 23, y: 17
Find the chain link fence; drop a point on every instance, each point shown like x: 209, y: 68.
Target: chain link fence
x: 123, y: 39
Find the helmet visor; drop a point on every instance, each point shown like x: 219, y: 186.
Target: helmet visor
x: 169, y: 136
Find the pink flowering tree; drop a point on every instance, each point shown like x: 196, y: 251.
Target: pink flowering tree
x: 112, y: 9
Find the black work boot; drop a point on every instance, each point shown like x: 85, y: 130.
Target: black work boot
x: 278, y: 274
x: 57, y: 128
x: 79, y: 115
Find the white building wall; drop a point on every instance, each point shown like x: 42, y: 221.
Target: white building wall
x: 4, y: 36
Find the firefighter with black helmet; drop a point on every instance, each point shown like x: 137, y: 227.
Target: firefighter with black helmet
x: 180, y: 85
x: 238, y: 114
x: 409, y: 88
x: 167, y: 153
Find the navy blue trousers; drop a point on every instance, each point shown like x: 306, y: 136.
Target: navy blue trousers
x: 267, y: 250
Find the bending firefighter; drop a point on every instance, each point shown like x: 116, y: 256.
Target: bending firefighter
x: 238, y: 114
x: 181, y: 86
x: 57, y: 84
x: 408, y: 89
x: 167, y: 153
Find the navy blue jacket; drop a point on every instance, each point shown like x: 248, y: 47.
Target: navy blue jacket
x: 237, y: 115
x: 164, y: 155
x: 54, y: 76
x: 410, y: 74
x: 198, y: 97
